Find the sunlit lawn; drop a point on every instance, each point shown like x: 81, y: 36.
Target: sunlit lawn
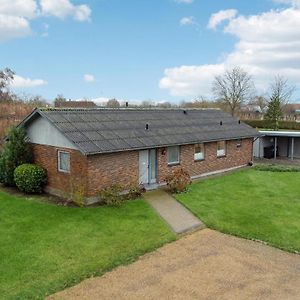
x: 44, y: 247
x: 251, y: 204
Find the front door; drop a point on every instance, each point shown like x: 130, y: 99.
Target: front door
x: 147, y: 166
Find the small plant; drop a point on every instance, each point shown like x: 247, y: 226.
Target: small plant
x: 30, y: 178
x: 78, y: 195
x: 135, y: 191
x: 178, y: 181
x: 112, y: 195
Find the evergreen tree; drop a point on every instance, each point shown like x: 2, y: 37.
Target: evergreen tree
x: 15, y: 152
x: 274, y: 112
x: 281, y: 93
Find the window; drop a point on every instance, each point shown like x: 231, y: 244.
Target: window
x: 173, y: 155
x: 64, y: 161
x: 199, y: 152
x: 238, y: 143
x: 221, y: 150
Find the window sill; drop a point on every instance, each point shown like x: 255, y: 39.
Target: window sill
x: 173, y: 164
x: 199, y: 160
x: 221, y: 156
x: 64, y: 172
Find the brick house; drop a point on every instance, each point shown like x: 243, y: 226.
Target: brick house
x: 90, y: 149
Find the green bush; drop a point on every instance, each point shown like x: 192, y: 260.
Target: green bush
x: 178, y: 181
x: 276, y: 168
x: 135, y: 192
x: 15, y: 153
x: 112, y: 195
x: 30, y: 178
x: 268, y: 124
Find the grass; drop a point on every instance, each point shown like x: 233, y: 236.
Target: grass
x: 45, y: 248
x: 251, y: 204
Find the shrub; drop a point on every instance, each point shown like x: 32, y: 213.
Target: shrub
x: 30, y: 178
x: 268, y: 124
x: 78, y: 195
x: 135, y: 192
x: 15, y: 153
x: 112, y: 195
x: 276, y: 168
x: 178, y: 181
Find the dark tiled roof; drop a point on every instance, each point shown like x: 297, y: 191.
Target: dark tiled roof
x: 111, y: 130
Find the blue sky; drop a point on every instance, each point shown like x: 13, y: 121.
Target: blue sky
x: 145, y: 49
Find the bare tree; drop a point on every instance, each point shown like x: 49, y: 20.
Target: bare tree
x: 113, y: 103
x: 59, y: 100
x: 281, y: 89
x: 261, y: 102
x: 6, y: 77
x: 233, y: 88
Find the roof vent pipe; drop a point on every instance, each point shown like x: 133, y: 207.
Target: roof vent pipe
x: 239, y: 121
x: 147, y: 126
x: 221, y: 123
x: 185, y: 112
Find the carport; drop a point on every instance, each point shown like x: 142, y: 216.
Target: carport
x: 274, y: 144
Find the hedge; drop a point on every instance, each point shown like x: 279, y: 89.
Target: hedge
x: 267, y: 124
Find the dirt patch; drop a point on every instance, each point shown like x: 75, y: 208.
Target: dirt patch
x: 204, y: 265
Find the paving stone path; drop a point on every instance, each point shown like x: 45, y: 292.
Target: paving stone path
x: 179, y: 218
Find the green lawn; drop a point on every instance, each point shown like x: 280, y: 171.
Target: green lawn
x: 45, y: 248
x: 251, y: 204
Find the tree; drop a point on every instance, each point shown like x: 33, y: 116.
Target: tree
x: 15, y: 153
x: 233, y: 88
x: 59, y: 100
x: 280, y: 95
x: 6, y: 77
x: 113, y: 103
x: 261, y: 102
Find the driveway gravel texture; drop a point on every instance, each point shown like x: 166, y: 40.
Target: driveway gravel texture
x: 203, y: 265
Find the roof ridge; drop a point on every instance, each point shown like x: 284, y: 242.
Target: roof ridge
x: 123, y: 108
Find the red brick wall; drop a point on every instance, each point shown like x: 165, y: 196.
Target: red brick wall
x: 63, y: 183
x: 99, y: 171
x: 234, y: 157
x: 115, y: 168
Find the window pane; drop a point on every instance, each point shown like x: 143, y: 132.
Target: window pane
x: 64, y: 161
x: 221, y: 150
x: 199, y: 152
x: 173, y: 154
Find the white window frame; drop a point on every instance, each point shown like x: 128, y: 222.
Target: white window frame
x: 178, y: 160
x: 221, y: 152
x: 199, y: 155
x: 58, y: 161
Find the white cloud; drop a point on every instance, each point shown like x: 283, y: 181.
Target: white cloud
x: 64, y: 8
x: 89, y: 78
x: 220, y: 17
x: 187, y: 21
x: 184, y: 1
x: 15, y: 15
x: 268, y: 44
x: 190, y: 80
x: 19, y: 8
x: 21, y: 82
x: 13, y: 27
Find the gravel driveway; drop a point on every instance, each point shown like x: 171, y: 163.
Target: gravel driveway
x: 203, y: 265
